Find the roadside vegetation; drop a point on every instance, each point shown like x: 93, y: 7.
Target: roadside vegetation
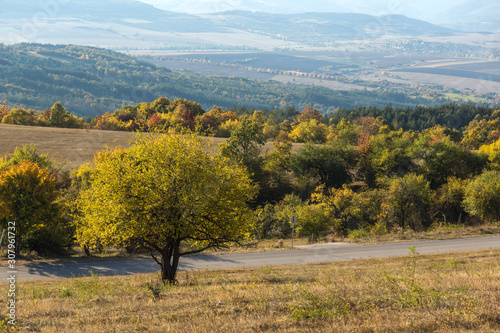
x: 418, y: 293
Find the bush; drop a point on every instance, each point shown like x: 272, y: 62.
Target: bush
x: 448, y: 200
x: 313, y: 220
x: 482, y: 196
x: 407, y: 202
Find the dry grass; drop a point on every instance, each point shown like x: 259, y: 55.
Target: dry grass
x: 73, y: 147
x: 438, y: 231
x: 454, y: 292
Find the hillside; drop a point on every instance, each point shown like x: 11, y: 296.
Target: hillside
x: 124, y: 12
x: 465, y: 15
x: 91, y: 81
x: 321, y: 29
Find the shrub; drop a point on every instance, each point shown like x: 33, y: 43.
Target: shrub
x: 482, y: 196
x: 407, y: 202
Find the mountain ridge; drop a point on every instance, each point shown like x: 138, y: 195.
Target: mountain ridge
x: 133, y: 24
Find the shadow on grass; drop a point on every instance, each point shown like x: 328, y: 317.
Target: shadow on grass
x: 107, y: 268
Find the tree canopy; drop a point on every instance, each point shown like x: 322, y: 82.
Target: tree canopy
x: 168, y: 194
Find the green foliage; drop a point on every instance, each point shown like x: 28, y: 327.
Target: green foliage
x: 445, y: 159
x: 268, y: 224
x: 283, y: 211
x: 164, y: 191
x: 245, y: 146
x: 407, y: 202
x: 20, y: 117
x: 313, y: 220
x: 59, y: 117
x: 482, y: 196
x: 325, y: 164
x: 245, y: 143
x: 448, y: 200
x: 390, y: 153
x: 28, y: 153
x: 310, y: 131
x: 481, y: 131
x: 417, y: 118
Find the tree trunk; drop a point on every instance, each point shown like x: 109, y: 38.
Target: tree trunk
x: 169, y: 262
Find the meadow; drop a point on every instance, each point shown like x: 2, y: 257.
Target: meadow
x: 70, y: 148
x: 453, y: 292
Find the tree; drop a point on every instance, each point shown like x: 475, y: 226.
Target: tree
x: 170, y: 195
x: 389, y: 153
x: 328, y: 163
x: 275, y: 172
x: 245, y: 146
x: 20, y: 117
x: 310, y: 131
x: 480, y: 132
x: 482, y: 196
x: 28, y: 197
x: 59, y: 117
x: 448, y: 200
x: 28, y: 153
x: 3, y: 112
x: 407, y: 199
x: 444, y: 159
x: 341, y: 207
x: 493, y: 152
x: 313, y: 220
x: 308, y: 114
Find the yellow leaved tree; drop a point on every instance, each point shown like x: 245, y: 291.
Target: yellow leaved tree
x: 28, y: 197
x: 168, y: 193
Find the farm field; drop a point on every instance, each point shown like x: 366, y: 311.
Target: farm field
x: 454, y: 78
x: 452, y: 292
x: 73, y: 147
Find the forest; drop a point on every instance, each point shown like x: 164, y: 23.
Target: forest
x: 361, y: 172
x: 92, y: 81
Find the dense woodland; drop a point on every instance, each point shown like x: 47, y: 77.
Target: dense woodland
x: 360, y: 172
x: 91, y: 81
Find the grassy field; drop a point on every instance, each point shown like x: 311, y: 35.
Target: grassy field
x: 72, y: 147
x: 453, y: 292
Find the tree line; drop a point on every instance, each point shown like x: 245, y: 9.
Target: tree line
x: 470, y: 123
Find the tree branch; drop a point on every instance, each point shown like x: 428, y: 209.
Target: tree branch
x: 195, y: 251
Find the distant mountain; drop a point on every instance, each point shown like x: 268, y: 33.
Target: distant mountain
x: 469, y: 15
x: 124, y: 12
x: 128, y: 24
x: 465, y: 15
x: 273, y: 6
x: 309, y: 27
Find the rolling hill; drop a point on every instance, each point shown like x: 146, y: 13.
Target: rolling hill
x: 91, y: 81
x: 464, y: 15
